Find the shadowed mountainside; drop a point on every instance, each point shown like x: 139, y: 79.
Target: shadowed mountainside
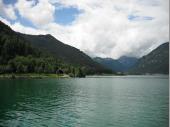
x: 157, y: 61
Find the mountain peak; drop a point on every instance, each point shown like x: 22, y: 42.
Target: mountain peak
x: 48, y: 35
x: 5, y: 27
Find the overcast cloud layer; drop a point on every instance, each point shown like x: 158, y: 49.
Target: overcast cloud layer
x: 106, y: 28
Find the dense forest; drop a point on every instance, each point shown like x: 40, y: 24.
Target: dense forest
x: 17, y: 56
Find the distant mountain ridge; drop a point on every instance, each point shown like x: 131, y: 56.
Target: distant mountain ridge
x: 127, y: 62
x: 120, y: 65
x: 156, y: 62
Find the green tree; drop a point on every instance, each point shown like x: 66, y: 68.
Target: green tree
x: 80, y: 73
x: 20, y: 68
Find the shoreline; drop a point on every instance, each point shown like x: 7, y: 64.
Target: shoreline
x: 42, y: 76
x: 32, y: 76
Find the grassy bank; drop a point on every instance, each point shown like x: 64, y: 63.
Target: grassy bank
x: 32, y: 76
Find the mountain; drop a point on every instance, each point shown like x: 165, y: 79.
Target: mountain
x: 46, y: 45
x: 122, y: 64
x: 127, y: 62
x: 64, y: 52
x: 156, y: 62
x: 110, y: 63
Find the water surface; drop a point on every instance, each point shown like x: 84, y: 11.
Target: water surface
x: 125, y: 101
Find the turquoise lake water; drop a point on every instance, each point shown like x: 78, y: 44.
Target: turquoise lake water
x: 125, y: 101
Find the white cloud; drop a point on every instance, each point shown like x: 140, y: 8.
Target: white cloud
x: 7, y: 11
x: 103, y: 28
x: 23, y: 29
x: 39, y: 13
x: 27, y: 30
x: 5, y: 21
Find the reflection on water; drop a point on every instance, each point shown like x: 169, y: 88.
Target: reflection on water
x: 88, y: 102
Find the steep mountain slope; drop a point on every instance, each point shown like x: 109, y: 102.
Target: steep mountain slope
x: 64, y: 52
x: 59, y: 49
x: 55, y: 48
x: 156, y: 61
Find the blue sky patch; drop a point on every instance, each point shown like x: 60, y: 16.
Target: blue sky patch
x: 149, y: 2
x: 65, y: 16
x: 132, y: 17
x: 147, y: 18
x: 26, y: 22
x: 139, y: 18
x: 9, y: 1
x: 21, y: 20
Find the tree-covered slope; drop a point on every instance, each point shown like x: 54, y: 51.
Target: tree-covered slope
x: 42, y: 53
x: 19, y: 56
x: 64, y: 52
x: 156, y: 61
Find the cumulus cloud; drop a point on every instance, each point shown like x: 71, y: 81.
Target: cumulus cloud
x: 104, y: 28
x: 23, y: 29
x: 7, y: 11
x: 38, y: 12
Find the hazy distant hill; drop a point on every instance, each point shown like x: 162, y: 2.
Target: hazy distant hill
x: 120, y: 65
x: 110, y: 63
x: 128, y: 62
x: 156, y: 61
x: 46, y: 44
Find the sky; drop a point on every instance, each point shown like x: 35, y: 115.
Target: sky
x: 104, y: 28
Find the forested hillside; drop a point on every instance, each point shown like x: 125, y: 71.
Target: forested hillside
x: 64, y: 52
x: 156, y: 62
x: 18, y: 54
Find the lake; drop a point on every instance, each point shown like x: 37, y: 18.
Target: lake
x: 120, y: 101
